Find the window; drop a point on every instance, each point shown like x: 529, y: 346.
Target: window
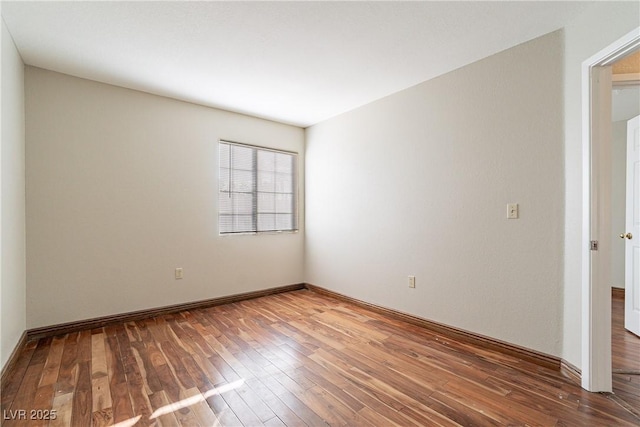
x: 257, y: 189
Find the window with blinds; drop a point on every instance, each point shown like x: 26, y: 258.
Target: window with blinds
x: 257, y: 189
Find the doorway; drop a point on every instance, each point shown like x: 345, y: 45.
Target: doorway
x: 625, y: 346
x: 597, y: 235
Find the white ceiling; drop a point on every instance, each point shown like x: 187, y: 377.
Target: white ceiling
x: 292, y: 62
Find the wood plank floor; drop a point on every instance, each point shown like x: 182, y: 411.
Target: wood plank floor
x: 625, y: 356
x: 290, y: 359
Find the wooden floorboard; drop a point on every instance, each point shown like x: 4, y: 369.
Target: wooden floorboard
x: 625, y: 356
x: 295, y: 359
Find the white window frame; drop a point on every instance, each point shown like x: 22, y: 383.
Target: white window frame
x: 226, y: 189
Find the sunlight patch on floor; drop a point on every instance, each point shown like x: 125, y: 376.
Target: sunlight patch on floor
x: 172, y: 407
x: 128, y: 423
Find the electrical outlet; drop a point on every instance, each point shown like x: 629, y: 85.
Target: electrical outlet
x: 179, y: 273
x: 412, y: 281
x: 512, y: 211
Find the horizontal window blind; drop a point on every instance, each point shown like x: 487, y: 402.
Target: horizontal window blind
x: 257, y: 189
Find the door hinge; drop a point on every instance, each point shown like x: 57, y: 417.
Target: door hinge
x: 594, y: 245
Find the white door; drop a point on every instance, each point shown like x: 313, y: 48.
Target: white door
x: 632, y: 233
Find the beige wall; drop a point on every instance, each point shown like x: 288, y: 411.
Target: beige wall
x: 122, y: 189
x: 602, y: 24
x: 12, y: 213
x: 418, y: 184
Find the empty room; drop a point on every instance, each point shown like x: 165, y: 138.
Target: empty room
x: 320, y: 213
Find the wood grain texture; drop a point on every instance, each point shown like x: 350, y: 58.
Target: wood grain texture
x: 533, y: 356
x: 617, y: 293
x: 572, y: 372
x: 625, y: 356
x: 290, y: 359
x: 15, y: 357
x: 98, y: 322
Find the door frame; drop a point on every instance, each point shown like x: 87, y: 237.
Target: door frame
x: 596, y: 208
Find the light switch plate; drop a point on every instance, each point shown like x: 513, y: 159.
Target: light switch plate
x: 412, y: 281
x: 512, y: 211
